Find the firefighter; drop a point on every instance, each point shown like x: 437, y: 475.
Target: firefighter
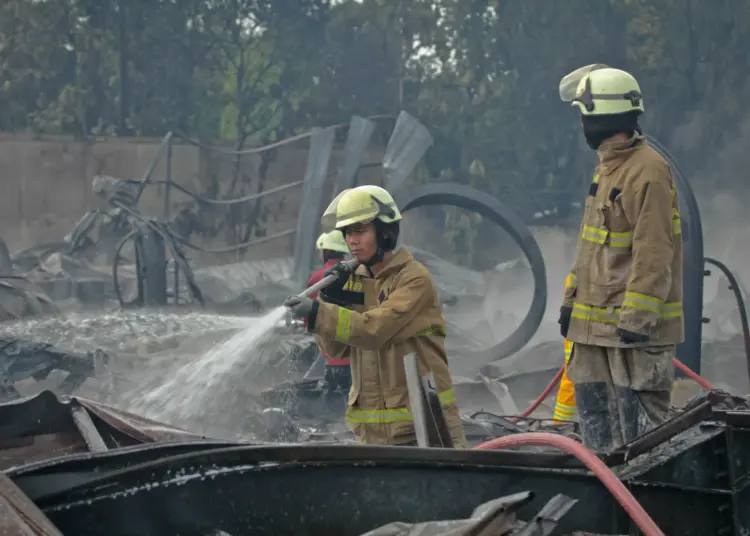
x: 565, y: 404
x: 333, y: 249
x: 398, y: 313
x: 623, y: 309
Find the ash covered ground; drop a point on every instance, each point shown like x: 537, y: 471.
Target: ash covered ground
x: 149, y: 347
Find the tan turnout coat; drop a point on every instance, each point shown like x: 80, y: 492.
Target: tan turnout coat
x: 628, y: 268
x: 401, y: 315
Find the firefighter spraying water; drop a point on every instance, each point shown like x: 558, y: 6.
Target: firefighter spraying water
x: 377, y: 314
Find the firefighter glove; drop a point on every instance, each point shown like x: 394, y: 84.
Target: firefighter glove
x: 564, y: 320
x: 335, y: 293
x: 344, y: 298
x: 342, y: 270
x: 630, y: 337
x: 302, y: 307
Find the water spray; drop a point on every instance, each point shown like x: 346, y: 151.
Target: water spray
x: 190, y: 392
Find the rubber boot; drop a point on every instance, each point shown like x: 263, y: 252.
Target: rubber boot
x: 634, y: 419
x: 595, y: 417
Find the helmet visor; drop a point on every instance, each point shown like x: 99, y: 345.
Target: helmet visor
x: 570, y: 83
x: 328, y: 221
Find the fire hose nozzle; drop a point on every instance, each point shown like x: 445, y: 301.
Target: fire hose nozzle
x: 350, y: 264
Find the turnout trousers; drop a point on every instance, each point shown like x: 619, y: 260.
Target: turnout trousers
x: 621, y: 393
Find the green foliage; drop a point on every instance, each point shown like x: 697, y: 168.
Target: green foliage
x: 482, y: 75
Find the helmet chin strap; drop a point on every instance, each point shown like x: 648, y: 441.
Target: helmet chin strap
x: 378, y: 257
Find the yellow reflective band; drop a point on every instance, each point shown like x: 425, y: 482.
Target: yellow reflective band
x: 642, y: 302
x: 447, y: 397
x: 378, y: 416
x: 559, y: 417
x: 433, y: 330
x: 596, y: 178
x: 620, y: 240
x: 351, y: 285
x: 603, y: 315
x: 568, y: 350
x: 671, y: 310
x: 385, y: 416
x: 343, y: 325
x: 602, y: 237
x: 592, y: 234
x: 595, y: 314
x: 676, y: 226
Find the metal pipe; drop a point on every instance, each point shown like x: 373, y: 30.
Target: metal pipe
x: 734, y: 285
x: 689, y: 352
x: 351, y: 265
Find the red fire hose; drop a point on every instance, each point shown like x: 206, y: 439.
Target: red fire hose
x: 594, y: 464
x: 636, y: 512
x: 542, y: 397
x: 692, y: 375
x: 551, y: 387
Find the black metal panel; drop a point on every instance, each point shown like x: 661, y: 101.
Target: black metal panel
x: 689, y: 352
x: 738, y: 453
x: 741, y: 510
x: 695, y: 484
x: 686, y: 512
x: 313, y: 499
x: 50, y: 476
x: 350, y: 490
x: 696, y: 459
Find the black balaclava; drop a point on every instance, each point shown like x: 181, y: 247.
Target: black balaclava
x: 330, y: 255
x: 598, y: 128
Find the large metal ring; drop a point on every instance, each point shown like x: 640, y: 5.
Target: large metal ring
x: 458, y: 195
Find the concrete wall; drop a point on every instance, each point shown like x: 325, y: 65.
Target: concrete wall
x: 45, y: 185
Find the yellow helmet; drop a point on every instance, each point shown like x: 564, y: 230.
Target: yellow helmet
x: 362, y: 204
x: 333, y: 241
x: 598, y: 89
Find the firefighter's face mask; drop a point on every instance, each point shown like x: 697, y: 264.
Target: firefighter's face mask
x: 594, y: 134
x: 599, y: 128
x: 362, y: 240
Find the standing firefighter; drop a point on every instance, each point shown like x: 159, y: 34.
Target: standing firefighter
x: 398, y: 313
x: 333, y: 248
x: 623, y: 309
